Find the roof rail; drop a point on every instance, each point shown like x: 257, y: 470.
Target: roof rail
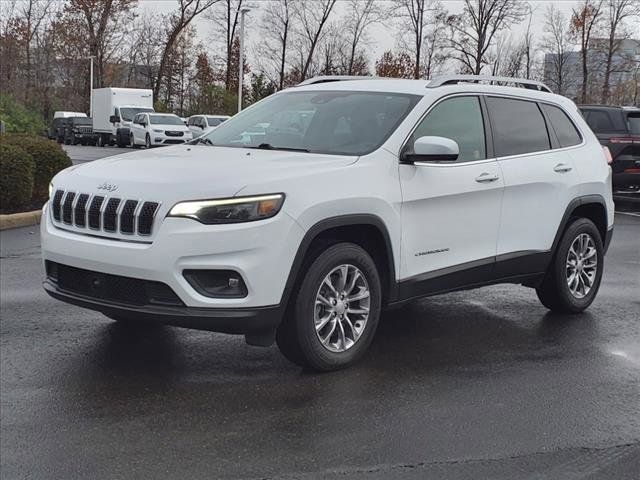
x: 517, y: 82
x: 334, y: 78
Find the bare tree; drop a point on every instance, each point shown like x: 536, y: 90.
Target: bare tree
x: 474, y: 31
x: 311, y: 18
x: 583, y: 22
x: 616, y: 13
x: 556, y: 42
x: 413, y: 16
x: 177, y: 22
x: 104, y: 23
x: 227, y: 15
x: 276, y: 30
x: 33, y: 14
x: 361, y: 14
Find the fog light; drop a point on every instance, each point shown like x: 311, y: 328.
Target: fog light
x: 216, y: 283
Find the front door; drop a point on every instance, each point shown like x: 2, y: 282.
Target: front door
x: 451, y: 210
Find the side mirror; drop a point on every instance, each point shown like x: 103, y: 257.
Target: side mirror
x: 432, y: 149
x: 113, y: 119
x: 144, y: 124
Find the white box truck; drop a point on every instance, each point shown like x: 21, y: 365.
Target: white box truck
x: 113, y: 112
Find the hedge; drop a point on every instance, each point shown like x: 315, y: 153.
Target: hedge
x: 16, y: 177
x: 49, y: 158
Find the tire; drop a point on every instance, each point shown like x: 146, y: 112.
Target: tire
x: 100, y: 141
x: 346, y: 338
x: 147, y: 141
x: 132, y: 141
x: 555, y: 292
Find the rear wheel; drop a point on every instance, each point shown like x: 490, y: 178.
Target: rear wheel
x: 335, y: 312
x: 573, y: 278
x: 100, y: 141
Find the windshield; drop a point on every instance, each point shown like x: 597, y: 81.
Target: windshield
x: 214, y: 122
x: 81, y: 121
x: 127, y: 113
x: 634, y: 123
x: 165, y: 120
x: 331, y: 122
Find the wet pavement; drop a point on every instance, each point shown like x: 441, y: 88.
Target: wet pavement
x: 478, y: 384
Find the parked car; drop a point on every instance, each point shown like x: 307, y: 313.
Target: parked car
x: 79, y: 130
x: 618, y: 128
x: 153, y: 129
x: 57, y: 126
x: 199, y: 124
x: 394, y: 190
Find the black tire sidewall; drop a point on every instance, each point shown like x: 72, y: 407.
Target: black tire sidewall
x: 577, y: 227
x: 317, y: 356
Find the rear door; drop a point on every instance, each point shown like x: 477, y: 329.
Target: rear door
x: 540, y: 178
x: 451, y: 210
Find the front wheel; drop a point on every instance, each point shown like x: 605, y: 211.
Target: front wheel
x: 573, y: 278
x: 147, y: 141
x: 336, y: 310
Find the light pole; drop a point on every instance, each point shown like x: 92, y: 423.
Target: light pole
x: 243, y: 12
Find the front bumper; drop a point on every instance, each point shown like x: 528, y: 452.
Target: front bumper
x: 257, y: 324
x: 162, y: 139
x: 261, y: 253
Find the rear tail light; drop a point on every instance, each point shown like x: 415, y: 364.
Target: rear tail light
x: 607, y: 155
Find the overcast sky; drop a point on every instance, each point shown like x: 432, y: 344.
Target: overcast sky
x: 382, y: 36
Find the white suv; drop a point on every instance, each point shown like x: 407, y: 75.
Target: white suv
x: 392, y: 190
x: 153, y: 129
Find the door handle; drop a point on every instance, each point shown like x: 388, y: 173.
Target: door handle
x: 562, y: 168
x: 486, y: 177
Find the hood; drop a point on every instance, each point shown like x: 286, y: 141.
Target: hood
x: 193, y: 172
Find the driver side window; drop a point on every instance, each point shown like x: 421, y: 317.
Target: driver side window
x: 460, y: 119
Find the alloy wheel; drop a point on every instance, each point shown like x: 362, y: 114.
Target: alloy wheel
x: 581, y: 265
x: 342, y: 308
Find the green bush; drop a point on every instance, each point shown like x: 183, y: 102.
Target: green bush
x: 18, y: 118
x: 49, y: 158
x: 16, y: 177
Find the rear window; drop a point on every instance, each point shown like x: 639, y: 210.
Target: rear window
x: 518, y: 126
x: 603, y: 121
x: 563, y: 126
x: 214, y: 122
x: 633, y: 119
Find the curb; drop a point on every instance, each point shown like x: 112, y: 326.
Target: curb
x: 17, y: 220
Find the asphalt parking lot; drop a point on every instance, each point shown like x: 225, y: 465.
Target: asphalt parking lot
x: 478, y: 384
x: 466, y: 385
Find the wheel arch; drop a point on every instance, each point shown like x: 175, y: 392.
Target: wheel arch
x: 592, y: 207
x: 365, y: 230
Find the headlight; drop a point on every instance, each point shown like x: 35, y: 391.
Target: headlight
x: 230, y: 210
x: 50, y: 189
x: 158, y: 131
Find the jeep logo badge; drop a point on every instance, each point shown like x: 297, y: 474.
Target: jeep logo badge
x: 109, y: 187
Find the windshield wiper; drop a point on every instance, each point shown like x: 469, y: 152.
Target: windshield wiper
x: 204, y: 140
x: 268, y: 146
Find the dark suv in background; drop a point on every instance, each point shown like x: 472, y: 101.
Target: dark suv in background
x: 79, y: 130
x: 618, y: 128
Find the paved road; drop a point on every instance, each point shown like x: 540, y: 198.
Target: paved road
x: 481, y: 384
x: 81, y: 154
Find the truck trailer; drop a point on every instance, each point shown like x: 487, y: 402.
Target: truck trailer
x: 113, y: 112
